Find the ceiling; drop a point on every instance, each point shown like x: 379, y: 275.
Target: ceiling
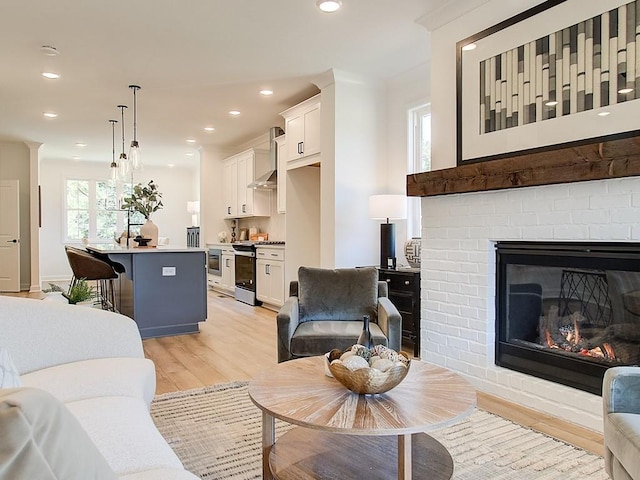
x: 195, y: 60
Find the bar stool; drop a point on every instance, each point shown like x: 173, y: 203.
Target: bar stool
x: 84, y: 265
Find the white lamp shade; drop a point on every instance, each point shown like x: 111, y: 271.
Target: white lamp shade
x: 387, y: 206
x: 193, y: 207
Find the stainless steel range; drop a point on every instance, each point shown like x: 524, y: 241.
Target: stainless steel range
x: 245, y: 261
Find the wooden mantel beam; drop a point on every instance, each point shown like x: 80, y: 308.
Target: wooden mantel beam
x: 593, y: 161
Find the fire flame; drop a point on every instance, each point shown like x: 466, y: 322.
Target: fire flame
x: 574, y: 339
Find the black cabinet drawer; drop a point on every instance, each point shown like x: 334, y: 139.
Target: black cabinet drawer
x: 399, y: 281
x: 402, y: 301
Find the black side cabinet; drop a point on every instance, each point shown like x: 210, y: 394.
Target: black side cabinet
x: 404, y: 293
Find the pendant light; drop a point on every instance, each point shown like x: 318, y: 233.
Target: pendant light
x: 123, y: 164
x: 114, y: 165
x: 134, y: 151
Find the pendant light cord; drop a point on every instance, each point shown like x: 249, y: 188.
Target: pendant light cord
x: 122, y: 107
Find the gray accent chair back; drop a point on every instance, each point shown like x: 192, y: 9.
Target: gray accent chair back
x: 325, y: 310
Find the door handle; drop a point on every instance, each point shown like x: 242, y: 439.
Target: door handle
x: 267, y: 270
x: 300, y: 148
x: 15, y: 240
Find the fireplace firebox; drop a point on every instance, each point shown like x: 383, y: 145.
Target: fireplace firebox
x: 567, y: 311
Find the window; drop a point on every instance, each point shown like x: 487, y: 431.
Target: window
x: 93, y: 212
x: 419, y: 159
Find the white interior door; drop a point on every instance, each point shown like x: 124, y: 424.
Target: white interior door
x: 9, y: 236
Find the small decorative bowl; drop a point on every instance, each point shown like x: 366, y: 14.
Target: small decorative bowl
x: 368, y: 381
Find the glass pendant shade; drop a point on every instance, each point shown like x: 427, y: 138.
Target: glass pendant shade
x: 134, y: 156
x: 123, y: 164
x: 134, y: 152
x: 114, y: 171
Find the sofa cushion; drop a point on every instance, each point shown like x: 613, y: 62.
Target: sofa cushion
x: 127, y: 377
x: 40, y: 439
x: 124, y: 433
x: 316, y: 338
x: 9, y: 376
x: 622, y: 433
x: 340, y: 294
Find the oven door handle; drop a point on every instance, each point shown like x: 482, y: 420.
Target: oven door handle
x: 245, y: 254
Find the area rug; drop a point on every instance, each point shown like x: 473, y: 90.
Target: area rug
x: 216, y: 432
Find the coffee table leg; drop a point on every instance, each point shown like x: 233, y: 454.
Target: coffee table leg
x: 268, y: 439
x: 404, y: 457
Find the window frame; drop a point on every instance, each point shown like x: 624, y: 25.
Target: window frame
x: 415, y: 116
x: 92, y: 210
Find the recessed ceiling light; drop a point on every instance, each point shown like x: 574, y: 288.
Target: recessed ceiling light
x: 49, y: 51
x: 209, y: 129
x: 171, y: 165
x: 266, y: 92
x: 552, y: 103
x: 604, y: 114
x: 81, y: 144
x: 51, y: 75
x: 624, y: 91
x: 50, y: 114
x: 189, y: 154
x: 329, y: 6
x: 468, y: 47
x: 190, y: 140
x: 75, y: 157
x: 235, y: 113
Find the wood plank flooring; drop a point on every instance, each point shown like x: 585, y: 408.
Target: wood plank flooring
x: 237, y: 341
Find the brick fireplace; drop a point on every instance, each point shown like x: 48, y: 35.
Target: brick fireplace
x: 459, y: 233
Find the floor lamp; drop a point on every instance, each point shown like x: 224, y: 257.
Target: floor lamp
x: 385, y: 207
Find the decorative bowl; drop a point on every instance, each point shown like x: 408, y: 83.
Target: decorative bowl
x: 368, y: 381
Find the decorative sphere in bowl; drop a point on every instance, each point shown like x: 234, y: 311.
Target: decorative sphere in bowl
x: 360, y: 377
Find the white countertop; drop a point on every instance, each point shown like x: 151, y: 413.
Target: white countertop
x: 113, y: 248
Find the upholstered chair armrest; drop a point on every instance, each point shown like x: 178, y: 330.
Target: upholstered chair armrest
x: 390, y: 322
x: 287, y: 321
x: 621, y: 390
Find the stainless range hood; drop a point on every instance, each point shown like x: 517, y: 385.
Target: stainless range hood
x: 270, y: 179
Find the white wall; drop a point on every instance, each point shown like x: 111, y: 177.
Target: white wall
x: 178, y: 185
x: 15, y: 165
x: 443, y: 72
x: 404, y: 92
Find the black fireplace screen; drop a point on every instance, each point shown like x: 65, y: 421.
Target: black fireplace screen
x: 568, y: 311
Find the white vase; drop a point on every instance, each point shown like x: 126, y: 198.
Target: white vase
x: 150, y: 230
x: 412, y: 251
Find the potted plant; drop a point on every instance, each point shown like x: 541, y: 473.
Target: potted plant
x: 81, y: 291
x: 145, y: 199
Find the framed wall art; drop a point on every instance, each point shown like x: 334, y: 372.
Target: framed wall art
x: 564, y: 72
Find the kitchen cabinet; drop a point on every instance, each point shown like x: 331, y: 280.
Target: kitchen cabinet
x: 404, y: 293
x: 302, y: 127
x: 281, y: 145
x: 270, y: 276
x: 228, y: 282
x: 239, y: 171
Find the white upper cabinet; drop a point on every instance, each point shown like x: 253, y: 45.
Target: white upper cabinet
x: 302, y: 127
x: 240, y: 200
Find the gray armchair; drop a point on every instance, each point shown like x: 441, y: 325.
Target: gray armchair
x: 325, y: 310
x: 621, y: 417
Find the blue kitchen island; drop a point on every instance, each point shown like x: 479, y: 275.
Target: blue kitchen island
x: 163, y: 289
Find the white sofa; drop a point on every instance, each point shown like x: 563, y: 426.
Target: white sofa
x: 92, y: 362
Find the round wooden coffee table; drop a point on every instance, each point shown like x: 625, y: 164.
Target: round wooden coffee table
x: 382, y: 435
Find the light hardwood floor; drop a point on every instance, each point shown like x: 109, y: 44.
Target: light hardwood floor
x: 237, y: 341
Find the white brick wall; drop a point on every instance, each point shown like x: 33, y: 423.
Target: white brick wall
x: 458, y: 276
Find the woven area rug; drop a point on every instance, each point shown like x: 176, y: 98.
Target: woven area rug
x: 216, y: 432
